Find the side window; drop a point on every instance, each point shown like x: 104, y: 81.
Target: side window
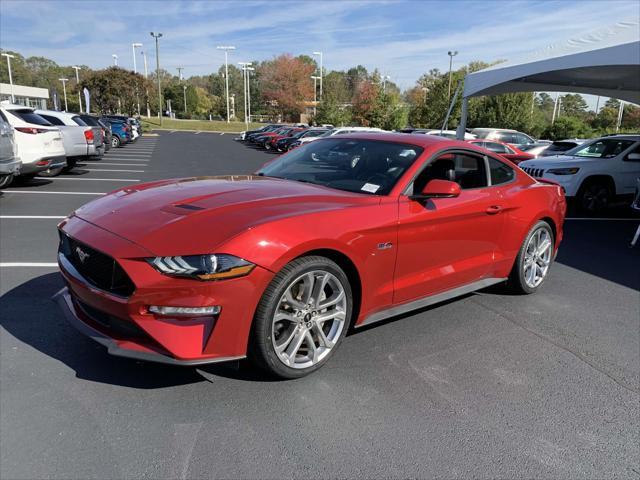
x: 496, y: 147
x: 507, y: 137
x: 466, y: 170
x: 500, y: 173
x: 52, y: 120
x: 522, y: 139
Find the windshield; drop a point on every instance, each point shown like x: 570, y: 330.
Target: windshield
x: 30, y: 117
x: 354, y: 165
x: 603, y: 148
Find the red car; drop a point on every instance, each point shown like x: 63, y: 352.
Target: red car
x: 505, y: 150
x: 271, y: 141
x: 341, y: 232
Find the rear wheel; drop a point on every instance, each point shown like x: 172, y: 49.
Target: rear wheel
x: 534, y: 259
x: 6, y: 180
x: 115, y: 141
x: 302, y: 317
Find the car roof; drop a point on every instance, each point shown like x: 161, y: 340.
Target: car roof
x: 484, y: 129
x: 405, y: 138
x: 14, y: 106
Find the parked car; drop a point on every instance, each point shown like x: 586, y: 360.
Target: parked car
x: 512, y: 154
x: 443, y: 133
x: 595, y: 173
x: 104, y: 126
x: 131, y: 121
x: 80, y: 140
x: 270, y: 142
x: 38, y: 143
x: 284, y: 144
x: 535, y: 149
x: 120, y: 132
x: 512, y: 137
x: 258, y: 137
x: 9, y: 161
x: 336, y: 131
x: 342, y: 233
x: 267, y: 128
x: 561, y: 146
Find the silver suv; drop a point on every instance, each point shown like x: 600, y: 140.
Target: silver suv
x: 512, y: 137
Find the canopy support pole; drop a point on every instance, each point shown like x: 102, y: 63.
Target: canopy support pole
x: 463, y: 119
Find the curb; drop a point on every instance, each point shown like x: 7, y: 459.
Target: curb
x: 173, y: 130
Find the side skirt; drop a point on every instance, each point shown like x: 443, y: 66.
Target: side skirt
x: 430, y: 300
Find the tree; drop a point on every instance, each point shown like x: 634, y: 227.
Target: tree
x: 114, y: 89
x: 574, y: 105
x: 567, y: 127
x: 286, y: 85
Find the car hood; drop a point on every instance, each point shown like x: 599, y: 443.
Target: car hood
x: 194, y: 215
x: 560, y: 161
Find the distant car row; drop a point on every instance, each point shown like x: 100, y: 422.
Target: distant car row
x: 47, y: 142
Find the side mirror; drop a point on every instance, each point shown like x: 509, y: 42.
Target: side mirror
x: 438, y: 189
x: 633, y: 157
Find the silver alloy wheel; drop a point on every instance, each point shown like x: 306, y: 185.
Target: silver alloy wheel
x: 537, y: 257
x: 309, y: 319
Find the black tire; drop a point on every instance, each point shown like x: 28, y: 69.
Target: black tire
x: 71, y: 163
x: 516, y: 282
x: 115, y: 141
x: 594, y: 196
x: 261, y: 349
x: 6, y: 180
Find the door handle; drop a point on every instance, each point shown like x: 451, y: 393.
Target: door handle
x: 493, y: 209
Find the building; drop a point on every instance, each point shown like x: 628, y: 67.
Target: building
x: 29, y: 96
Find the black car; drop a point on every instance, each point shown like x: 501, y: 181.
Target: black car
x: 284, y: 144
x: 267, y: 128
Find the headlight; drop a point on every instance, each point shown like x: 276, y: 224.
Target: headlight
x: 202, y: 267
x: 563, y: 171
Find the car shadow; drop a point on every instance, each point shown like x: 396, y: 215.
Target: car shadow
x: 31, y: 182
x: 601, y: 248
x: 36, y: 321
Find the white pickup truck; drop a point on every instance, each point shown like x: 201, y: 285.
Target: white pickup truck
x: 80, y: 140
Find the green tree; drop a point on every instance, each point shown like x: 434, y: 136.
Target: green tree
x: 115, y: 89
x: 567, y: 127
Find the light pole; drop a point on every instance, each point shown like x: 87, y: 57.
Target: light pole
x: 451, y: 55
x: 146, y: 74
x: 184, y: 89
x: 76, y: 68
x: 249, y: 70
x: 620, y: 115
x: 9, y: 57
x: 115, y: 59
x: 135, y: 70
x: 321, y: 74
x: 226, y: 49
x: 315, y: 90
x: 157, y: 36
x: 424, y: 93
x: 64, y: 88
x: 384, y: 83
x: 245, y: 85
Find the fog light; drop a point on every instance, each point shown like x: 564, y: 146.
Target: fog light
x: 184, y: 311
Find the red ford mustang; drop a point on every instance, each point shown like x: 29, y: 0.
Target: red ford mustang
x: 344, y: 231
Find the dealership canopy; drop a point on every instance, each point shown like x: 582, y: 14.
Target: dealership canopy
x: 605, y: 62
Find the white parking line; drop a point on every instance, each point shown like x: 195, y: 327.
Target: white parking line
x: 49, y: 192
x: 27, y: 264
x: 604, y: 219
x: 96, y: 179
x: 111, y: 170
x: 24, y: 217
x: 82, y: 165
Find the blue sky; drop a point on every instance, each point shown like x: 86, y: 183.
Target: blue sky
x: 401, y: 38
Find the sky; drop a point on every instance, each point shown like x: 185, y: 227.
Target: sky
x: 403, y: 39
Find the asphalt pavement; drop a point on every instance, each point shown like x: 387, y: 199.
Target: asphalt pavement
x: 490, y: 385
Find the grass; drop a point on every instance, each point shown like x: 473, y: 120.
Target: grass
x: 201, y: 125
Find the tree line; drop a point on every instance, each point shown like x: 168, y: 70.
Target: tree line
x: 282, y: 89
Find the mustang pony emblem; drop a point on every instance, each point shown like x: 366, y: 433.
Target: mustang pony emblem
x: 82, y: 255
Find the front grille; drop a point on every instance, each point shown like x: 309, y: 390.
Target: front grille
x: 534, y: 172
x: 99, y: 269
x: 115, y: 326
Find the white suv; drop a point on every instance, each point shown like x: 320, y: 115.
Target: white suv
x: 39, y: 144
x: 594, y: 173
x: 336, y: 131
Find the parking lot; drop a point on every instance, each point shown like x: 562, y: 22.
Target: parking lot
x: 490, y: 385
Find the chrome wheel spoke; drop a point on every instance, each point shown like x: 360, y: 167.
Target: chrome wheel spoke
x: 322, y: 338
x: 538, y: 255
x: 293, y: 302
x: 332, y: 300
x: 295, y: 344
x: 318, y: 289
x: 313, y: 349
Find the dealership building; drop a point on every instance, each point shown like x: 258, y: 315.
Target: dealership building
x: 29, y: 96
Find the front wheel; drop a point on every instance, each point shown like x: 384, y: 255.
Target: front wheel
x: 302, y: 317
x: 534, y: 259
x: 115, y: 141
x: 594, y: 197
x: 6, y: 180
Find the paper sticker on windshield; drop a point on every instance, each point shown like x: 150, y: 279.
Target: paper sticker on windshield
x: 370, y: 187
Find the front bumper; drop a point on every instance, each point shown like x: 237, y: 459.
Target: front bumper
x: 124, y: 324
x: 11, y: 167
